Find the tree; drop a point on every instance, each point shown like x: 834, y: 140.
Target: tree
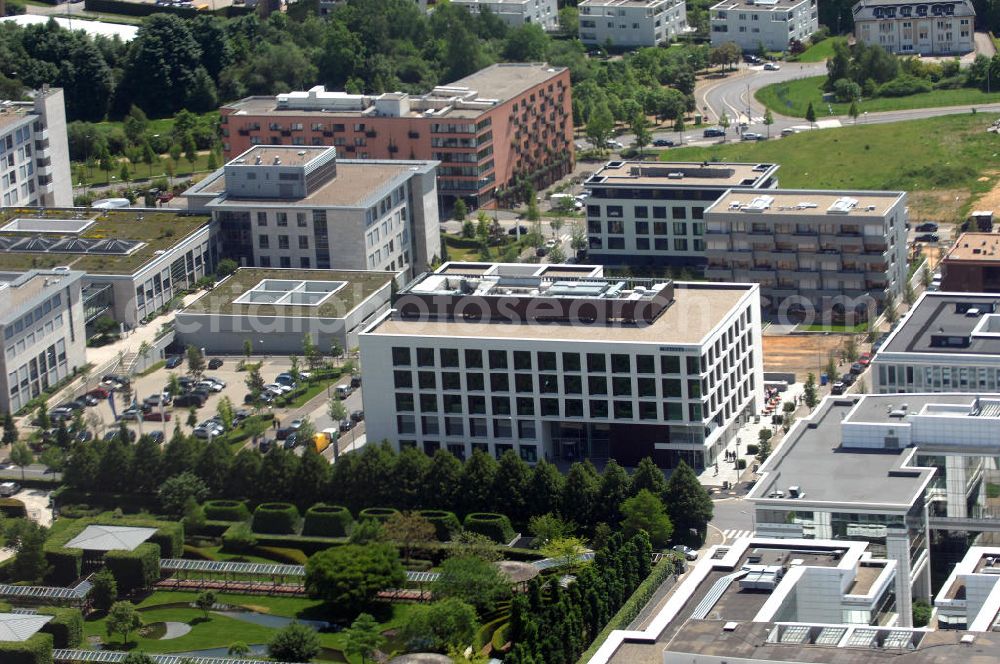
x: 311, y: 352
x: 811, y: 114
x: 600, y: 125
x: 768, y: 121
x: 616, y: 486
x: 124, y: 172
x: 809, y: 395
x: 581, y: 493
x: 527, y: 43
x: 578, y: 237
x: 891, y: 314
x: 460, y: 211
x: 137, y: 657
x: 294, y: 643
x: 546, y: 488
x: 688, y: 503
x: 853, y: 111
x: 764, y: 447
x: 549, y: 527
x: 363, y: 637
x: 9, y: 429
x: 478, y: 480
x: 196, y: 362
x: 104, y: 589
x: 645, y: 512
x: 724, y: 122
x: 448, y: 623
x: 42, y: 415
x: 921, y: 613
x: 238, y: 650
x: 148, y: 157
x: 640, y: 129
x: 832, y: 370
x: 408, y: 529
x: 159, y: 73
x: 205, y: 601
x: 225, y: 268
x: 851, y: 348
x: 27, y: 538
x: 224, y: 409
x: 567, y: 550
x: 472, y: 580
x: 123, y: 619
x: 909, y: 296
x: 679, y: 128
x: 175, y: 491
x: 21, y: 456
x: 926, y: 279
x: 648, y: 476
x: 350, y: 576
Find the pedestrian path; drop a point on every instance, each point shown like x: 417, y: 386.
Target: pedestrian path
x: 732, y: 534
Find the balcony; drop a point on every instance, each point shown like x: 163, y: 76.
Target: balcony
x: 718, y: 273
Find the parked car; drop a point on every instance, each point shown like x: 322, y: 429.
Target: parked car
x: 541, y: 251
x: 265, y: 397
x: 156, y: 416
x: 614, y: 145
x: 210, y: 385
x: 101, y: 392
x: 929, y: 227
x: 771, y: 66
x: 83, y: 436
x: 346, y: 424
x: 217, y: 381
x: 72, y: 405
x: 155, y: 400
x: 174, y: 361
x: 865, y: 359
x: 663, y: 143
x: 8, y: 489
x: 188, y: 400
x: 358, y: 416
x: 838, y: 387
x: 214, y: 363
x: 265, y: 445
x: 295, y: 424
x: 286, y: 380
x: 751, y: 59
x: 284, y: 432
x: 355, y: 381
x: 927, y: 237
x: 291, y: 441
x: 857, y: 368
x: 686, y: 551
x: 60, y: 414
x: 88, y: 400
x: 155, y: 435
x: 714, y: 132
x: 113, y: 435
x: 116, y: 379
x: 277, y: 389
x: 848, y: 379
x: 131, y: 413
x: 751, y: 136
x: 514, y: 230
x: 343, y: 391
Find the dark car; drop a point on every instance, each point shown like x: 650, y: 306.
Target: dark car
x: 355, y: 381
x: 88, y: 400
x: 838, y: 388
x: 73, y: 405
x: 752, y: 59
x: 848, y: 379
x: 358, y: 416
x: 714, y: 132
x: 857, y: 368
x: 101, y: 392
x: 663, y: 143
x: 116, y: 379
x: 113, y: 435
x: 513, y: 231
x: 174, y: 361
x: 284, y: 433
x: 541, y: 251
x: 156, y: 416
x: 265, y: 445
x: 346, y: 425
x: 927, y: 237
x: 155, y: 436
x: 214, y: 363
x: 929, y: 227
x: 188, y: 400
x: 83, y: 436
x: 291, y: 441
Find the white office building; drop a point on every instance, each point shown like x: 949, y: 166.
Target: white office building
x: 516, y: 13
x: 631, y: 23
x: 813, y: 252
x: 908, y: 27
x: 43, y: 332
x: 558, y: 361
x: 771, y: 24
x: 34, y: 152
x: 653, y: 214
x: 301, y: 207
x: 946, y: 342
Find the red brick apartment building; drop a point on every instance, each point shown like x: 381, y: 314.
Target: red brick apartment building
x: 488, y: 129
x: 972, y: 265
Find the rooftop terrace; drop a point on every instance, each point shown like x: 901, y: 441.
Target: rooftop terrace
x: 948, y: 323
x: 975, y: 248
x: 73, y: 237
x: 716, y: 175
x: 283, y: 155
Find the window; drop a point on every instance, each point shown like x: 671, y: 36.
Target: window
x: 598, y: 409
x: 429, y: 425
x: 477, y: 405
x: 449, y: 357
x: 474, y: 359
x: 546, y: 361
x: 550, y: 407
x: 670, y: 364
x: 642, y: 228
x: 524, y: 383
x: 596, y: 362
x: 621, y: 386
x: 522, y: 360
x: 572, y: 385
x: 500, y: 405
x: 621, y: 363
x: 574, y: 407
x: 452, y: 404
x: 300, y: 219
x: 597, y: 385
x: 498, y: 359
x: 693, y: 365
x: 647, y: 410
x: 263, y: 242
x: 499, y: 382
x: 680, y: 228
x: 571, y: 361
x: 526, y: 429
x: 426, y: 380
x: 475, y: 382
x: 659, y: 212
x: 645, y: 364
x: 282, y: 242
x: 679, y: 212
x: 525, y: 406
x: 428, y: 403
x: 285, y: 261
x: 406, y: 424
x: 671, y: 387
x: 647, y: 387
x: 282, y: 218
x: 400, y: 357
x: 303, y: 242
x: 262, y: 219
x: 451, y: 380
x: 425, y: 357
x: 404, y: 402
x: 641, y: 211
x: 402, y: 379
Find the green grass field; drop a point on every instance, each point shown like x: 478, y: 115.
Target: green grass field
x: 139, y: 172
x: 945, y: 160
x: 838, y: 329
x: 818, y: 52
x: 793, y: 97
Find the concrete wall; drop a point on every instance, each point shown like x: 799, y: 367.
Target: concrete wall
x: 51, y: 106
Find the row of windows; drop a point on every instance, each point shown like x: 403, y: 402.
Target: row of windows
x: 33, y: 316
x: 642, y: 212
x: 33, y: 337
x: 523, y: 360
x: 548, y: 384
x: 528, y: 453
x: 281, y: 219
x: 600, y: 409
x: 264, y: 242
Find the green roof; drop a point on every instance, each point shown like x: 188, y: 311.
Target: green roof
x: 160, y: 230
x: 359, y: 285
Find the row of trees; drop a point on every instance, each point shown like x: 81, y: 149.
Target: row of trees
x: 865, y: 70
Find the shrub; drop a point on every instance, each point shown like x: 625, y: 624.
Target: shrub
x: 78, y: 511
x: 226, y: 510
x: 752, y: 449
x: 446, y: 524
x: 66, y: 626
x: 846, y: 90
x: 134, y: 569
x: 328, y: 521
x: 238, y: 537
x: 903, y: 86
x: 741, y: 464
x: 36, y: 650
x: 380, y: 514
x: 64, y: 565
x: 282, y: 554
x: 281, y: 518
x: 12, y: 508
x: 495, y: 526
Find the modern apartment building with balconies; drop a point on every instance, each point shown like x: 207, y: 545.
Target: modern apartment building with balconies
x: 559, y: 362
x: 508, y: 121
x: 34, y: 152
x: 631, y: 23
x: 516, y: 13
x: 768, y: 24
x: 811, y: 251
x: 909, y: 27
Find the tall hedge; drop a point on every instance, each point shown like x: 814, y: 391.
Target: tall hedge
x: 226, y: 510
x: 170, y: 538
x: 65, y: 565
x: 36, y: 650
x: 12, y: 508
x: 495, y: 526
x: 66, y: 626
x: 134, y: 569
x: 445, y: 523
x: 280, y: 518
x: 328, y: 521
x: 380, y: 514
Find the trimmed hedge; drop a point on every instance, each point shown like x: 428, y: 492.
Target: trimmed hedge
x: 446, y: 524
x: 226, y: 510
x: 328, y: 521
x: 134, y: 569
x: 36, y: 650
x: 495, y: 526
x: 279, y: 518
x: 65, y: 565
x: 66, y: 626
x: 282, y: 554
x: 12, y: 508
x: 380, y: 514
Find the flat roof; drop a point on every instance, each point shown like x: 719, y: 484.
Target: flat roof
x: 940, y: 314
x: 356, y: 182
x: 359, y: 285
x: 696, y: 311
x: 152, y: 231
x: 289, y: 155
x: 22, y: 288
x: 716, y: 175
x: 875, y: 408
x: 621, y: 3
x: 806, y: 202
x: 12, y: 112
x: 110, y: 538
x: 812, y: 458
x: 757, y: 5
x: 20, y: 627
x: 975, y: 248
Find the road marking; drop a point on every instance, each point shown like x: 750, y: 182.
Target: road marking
x: 733, y: 535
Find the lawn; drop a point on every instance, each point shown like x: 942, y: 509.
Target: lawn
x: 182, y: 169
x: 946, y: 159
x: 793, y: 97
x: 218, y: 631
x: 818, y: 52
x: 837, y: 329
